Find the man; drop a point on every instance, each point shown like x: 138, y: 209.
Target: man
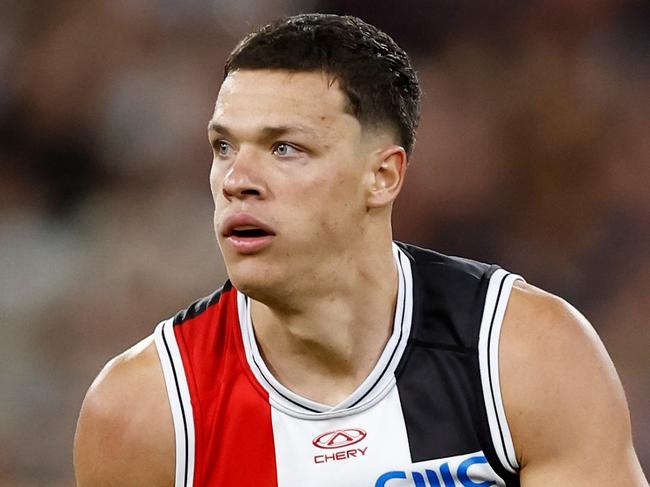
x: 333, y: 356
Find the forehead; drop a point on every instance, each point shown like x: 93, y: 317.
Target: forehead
x: 249, y: 99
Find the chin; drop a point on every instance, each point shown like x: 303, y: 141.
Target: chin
x: 254, y: 278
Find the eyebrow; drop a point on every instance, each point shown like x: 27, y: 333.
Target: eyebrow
x: 269, y: 132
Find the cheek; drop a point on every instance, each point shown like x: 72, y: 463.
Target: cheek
x: 335, y: 201
x: 216, y: 179
x: 347, y: 192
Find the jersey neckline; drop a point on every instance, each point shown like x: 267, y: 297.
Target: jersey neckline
x: 376, y: 385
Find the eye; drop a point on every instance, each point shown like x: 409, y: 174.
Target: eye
x: 222, y: 148
x: 283, y: 149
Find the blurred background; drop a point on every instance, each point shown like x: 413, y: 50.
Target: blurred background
x: 533, y: 152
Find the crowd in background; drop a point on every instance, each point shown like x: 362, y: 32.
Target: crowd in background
x: 533, y: 152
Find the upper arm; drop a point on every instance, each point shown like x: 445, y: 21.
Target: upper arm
x: 125, y: 432
x: 564, y: 402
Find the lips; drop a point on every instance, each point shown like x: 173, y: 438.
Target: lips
x: 246, y: 234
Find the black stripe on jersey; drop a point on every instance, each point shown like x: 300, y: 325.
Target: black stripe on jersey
x: 434, y: 376
x: 489, y: 362
x: 201, y: 305
x: 435, y: 394
x: 439, y: 379
x: 180, y: 401
x: 442, y: 346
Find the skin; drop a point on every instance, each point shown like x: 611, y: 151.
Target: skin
x: 563, y: 399
x: 287, y: 153
x: 326, y: 194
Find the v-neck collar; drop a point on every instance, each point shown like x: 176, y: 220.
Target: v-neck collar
x: 380, y: 380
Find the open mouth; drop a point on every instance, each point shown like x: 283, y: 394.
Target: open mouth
x: 248, y: 232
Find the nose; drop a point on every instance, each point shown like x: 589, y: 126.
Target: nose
x: 243, y: 179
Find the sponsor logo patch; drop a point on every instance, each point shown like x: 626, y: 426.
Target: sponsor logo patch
x: 339, y: 438
x: 444, y: 475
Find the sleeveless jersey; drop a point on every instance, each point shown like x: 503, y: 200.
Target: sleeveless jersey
x: 430, y: 414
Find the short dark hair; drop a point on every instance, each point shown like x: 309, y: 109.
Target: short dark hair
x: 372, y: 70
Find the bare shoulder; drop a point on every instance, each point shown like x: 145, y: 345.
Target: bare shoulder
x: 564, y: 402
x: 125, y: 432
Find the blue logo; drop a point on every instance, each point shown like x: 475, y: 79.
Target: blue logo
x: 443, y: 477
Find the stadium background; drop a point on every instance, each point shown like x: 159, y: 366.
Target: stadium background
x: 534, y: 152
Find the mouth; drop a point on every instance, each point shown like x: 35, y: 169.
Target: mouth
x: 246, y: 235
x: 247, y: 231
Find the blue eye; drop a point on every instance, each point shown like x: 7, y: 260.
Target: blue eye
x: 222, y: 147
x: 284, y: 149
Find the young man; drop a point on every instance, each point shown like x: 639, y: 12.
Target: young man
x: 333, y: 356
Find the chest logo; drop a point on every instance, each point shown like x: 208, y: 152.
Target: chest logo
x: 339, y: 438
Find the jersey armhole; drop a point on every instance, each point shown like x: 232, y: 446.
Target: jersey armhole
x: 179, y: 401
x: 496, y: 300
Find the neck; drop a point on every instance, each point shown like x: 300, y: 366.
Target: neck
x: 324, y: 342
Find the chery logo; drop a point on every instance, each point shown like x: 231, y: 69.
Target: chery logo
x: 339, y: 438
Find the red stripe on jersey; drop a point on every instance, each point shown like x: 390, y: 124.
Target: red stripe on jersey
x: 232, y: 416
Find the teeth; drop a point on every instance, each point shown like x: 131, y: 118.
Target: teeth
x: 244, y: 227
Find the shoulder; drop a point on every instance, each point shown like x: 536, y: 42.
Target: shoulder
x: 563, y: 399
x: 125, y: 432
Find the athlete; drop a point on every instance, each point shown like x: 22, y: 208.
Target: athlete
x: 334, y: 356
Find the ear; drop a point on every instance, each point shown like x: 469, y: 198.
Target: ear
x: 388, y: 176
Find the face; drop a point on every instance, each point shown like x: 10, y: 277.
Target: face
x: 290, y: 178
